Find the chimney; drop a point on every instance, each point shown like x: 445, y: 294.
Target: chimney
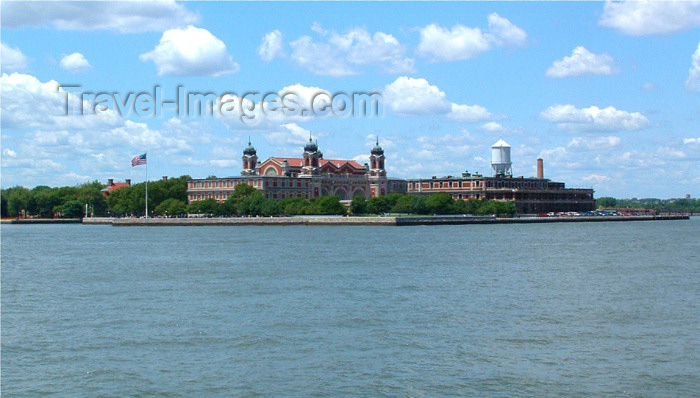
x: 165, y: 178
x: 128, y: 182
x: 540, y: 169
x: 110, y: 182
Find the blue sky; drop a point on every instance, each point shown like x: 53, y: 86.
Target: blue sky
x: 608, y: 94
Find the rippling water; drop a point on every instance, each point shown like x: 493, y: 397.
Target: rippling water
x: 495, y: 310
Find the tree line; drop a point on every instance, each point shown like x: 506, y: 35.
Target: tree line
x: 169, y: 198
x: 685, y: 204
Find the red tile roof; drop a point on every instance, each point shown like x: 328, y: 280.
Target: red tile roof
x: 299, y: 162
x: 110, y: 188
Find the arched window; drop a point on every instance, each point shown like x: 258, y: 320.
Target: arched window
x: 270, y: 171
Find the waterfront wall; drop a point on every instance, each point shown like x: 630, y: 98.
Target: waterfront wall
x: 40, y: 221
x: 256, y: 221
x: 377, y: 221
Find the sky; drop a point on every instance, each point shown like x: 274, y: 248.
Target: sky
x: 606, y: 93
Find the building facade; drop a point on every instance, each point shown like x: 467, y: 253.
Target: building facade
x: 530, y: 195
x: 310, y: 176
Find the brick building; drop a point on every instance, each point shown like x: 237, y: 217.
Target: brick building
x: 530, y: 195
x: 309, y: 176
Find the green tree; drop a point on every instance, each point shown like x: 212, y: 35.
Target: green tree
x: 91, y: 193
x: 171, y: 207
x: 251, y: 205
x: 607, y: 202
x: 205, y: 206
x: 440, y: 203
x: 378, y: 205
x: 358, y: 205
x: 270, y: 208
x: 17, y: 198
x: 294, y: 206
x: 73, y: 209
x: 242, y: 190
x: 328, y: 205
x: 4, y: 212
x: 460, y: 207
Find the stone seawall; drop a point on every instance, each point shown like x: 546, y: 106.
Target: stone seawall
x: 377, y: 221
x: 405, y: 221
x: 256, y: 221
x: 41, y: 221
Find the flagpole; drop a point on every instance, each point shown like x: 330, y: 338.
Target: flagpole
x: 146, y: 184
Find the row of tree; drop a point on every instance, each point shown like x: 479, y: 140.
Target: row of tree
x: 686, y: 204
x: 169, y: 198
x: 437, y: 203
x: 44, y: 201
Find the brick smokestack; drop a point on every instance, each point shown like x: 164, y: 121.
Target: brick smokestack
x: 540, y: 169
x: 110, y: 182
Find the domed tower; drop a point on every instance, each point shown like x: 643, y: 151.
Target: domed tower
x: 250, y: 160
x: 376, y: 159
x: 311, y: 158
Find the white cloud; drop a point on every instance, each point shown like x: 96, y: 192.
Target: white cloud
x: 598, y: 143
x: 691, y: 140
x: 271, y: 46
x: 319, y: 58
x: 9, y: 153
x: 639, y: 18
x: 671, y: 153
x: 190, y: 52
x: 410, y: 96
x: 504, y: 33
x: 28, y: 103
x: 492, y: 127
x: 693, y: 82
x: 469, y: 113
x: 596, y: 178
x: 75, y: 63
x: 581, y: 62
x: 381, y: 49
x: 120, y: 16
x: 305, y: 94
x: 342, y: 54
x: 12, y: 58
x: 318, y: 28
x: 568, y: 117
x: 361, y: 159
x: 440, y: 44
x: 288, y: 134
x: 649, y: 86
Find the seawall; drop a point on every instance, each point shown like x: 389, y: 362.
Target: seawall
x: 40, y: 221
x: 377, y: 221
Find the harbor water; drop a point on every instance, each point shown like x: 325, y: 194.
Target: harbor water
x: 582, y: 309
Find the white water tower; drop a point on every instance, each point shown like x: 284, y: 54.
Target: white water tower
x: 500, y: 159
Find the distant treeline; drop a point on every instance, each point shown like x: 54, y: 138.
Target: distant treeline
x: 169, y: 198
x: 686, y: 205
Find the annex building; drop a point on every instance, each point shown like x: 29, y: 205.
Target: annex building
x: 531, y: 195
x: 309, y: 176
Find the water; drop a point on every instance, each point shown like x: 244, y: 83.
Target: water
x: 585, y: 309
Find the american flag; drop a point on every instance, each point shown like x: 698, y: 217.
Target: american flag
x: 138, y: 160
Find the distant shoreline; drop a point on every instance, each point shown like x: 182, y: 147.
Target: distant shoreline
x: 377, y: 221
